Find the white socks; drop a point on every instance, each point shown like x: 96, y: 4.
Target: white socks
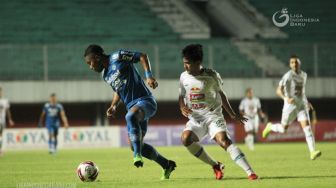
x: 197, y: 150
x: 309, y: 138
x: 277, y: 127
x: 239, y: 158
x: 249, y: 141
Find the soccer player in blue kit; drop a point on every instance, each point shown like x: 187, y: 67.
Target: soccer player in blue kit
x: 52, y: 113
x: 119, y: 71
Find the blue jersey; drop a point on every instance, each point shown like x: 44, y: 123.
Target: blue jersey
x: 53, y: 114
x: 124, y: 78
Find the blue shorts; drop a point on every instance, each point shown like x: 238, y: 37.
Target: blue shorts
x: 52, y: 129
x: 149, y: 107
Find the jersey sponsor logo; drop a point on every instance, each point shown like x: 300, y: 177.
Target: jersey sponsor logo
x: 115, y: 81
x: 196, y: 98
x: 52, y: 112
x: 126, y: 56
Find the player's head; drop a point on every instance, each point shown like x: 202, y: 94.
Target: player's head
x: 192, y: 56
x: 249, y: 93
x: 94, y: 57
x: 294, y: 63
x: 53, y: 99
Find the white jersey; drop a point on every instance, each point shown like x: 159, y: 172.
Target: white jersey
x: 250, y: 107
x: 294, y: 84
x: 201, y: 93
x: 4, y: 105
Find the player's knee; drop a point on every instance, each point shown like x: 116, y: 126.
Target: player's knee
x: 130, y: 117
x: 186, y: 139
x: 224, y: 142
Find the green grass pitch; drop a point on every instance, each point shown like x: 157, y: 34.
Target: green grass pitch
x: 278, y: 165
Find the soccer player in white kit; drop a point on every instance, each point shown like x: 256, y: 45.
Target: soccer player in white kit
x: 292, y: 90
x: 250, y: 108
x: 4, y: 112
x: 201, y: 100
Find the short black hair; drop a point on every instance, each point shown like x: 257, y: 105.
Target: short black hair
x: 193, y: 52
x: 94, y: 49
x: 53, y: 95
x: 293, y: 56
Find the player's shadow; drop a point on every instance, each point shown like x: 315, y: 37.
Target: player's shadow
x: 261, y: 178
x: 296, y: 177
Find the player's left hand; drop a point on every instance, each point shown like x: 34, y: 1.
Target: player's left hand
x: 11, y: 123
x: 152, y: 83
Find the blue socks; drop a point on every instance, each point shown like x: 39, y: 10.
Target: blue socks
x: 149, y: 152
x: 134, y: 132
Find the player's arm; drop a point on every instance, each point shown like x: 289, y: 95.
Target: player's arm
x: 280, y: 93
x: 64, y: 119
x: 183, y: 107
x: 144, y: 60
x: 229, y: 109
x: 42, y: 116
x: 241, y: 109
x: 114, y: 104
x: 9, y: 116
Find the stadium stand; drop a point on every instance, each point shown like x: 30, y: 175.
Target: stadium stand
x: 312, y: 42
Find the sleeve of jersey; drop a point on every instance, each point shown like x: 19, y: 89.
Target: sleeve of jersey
x: 219, y: 81
x: 182, y: 90
x: 45, y: 108
x: 60, y: 107
x: 7, y: 105
x: 129, y: 56
x: 241, y: 106
x: 258, y: 104
x: 283, y: 80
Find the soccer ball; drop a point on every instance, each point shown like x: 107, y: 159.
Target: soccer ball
x: 87, y: 171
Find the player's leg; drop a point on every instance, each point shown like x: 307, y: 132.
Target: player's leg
x: 218, y: 132
x: 289, y: 113
x: 1, y: 130
x: 150, y: 152
x: 236, y: 154
x: 55, y: 136
x: 133, y: 117
x: 190, y: 139
x: 303, y: 118
x: 149, y: 107
x: 51, y: 139
x: 249, y: 129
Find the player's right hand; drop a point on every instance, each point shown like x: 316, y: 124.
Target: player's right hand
x: 152, y: 83
x: 185, y: 111
x: 111, y: 111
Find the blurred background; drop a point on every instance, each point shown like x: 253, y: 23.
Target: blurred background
x: 248, y: 42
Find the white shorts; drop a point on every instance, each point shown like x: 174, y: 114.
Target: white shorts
x: 252, y: 124
x: 298, y: 110
x: 209, y: 126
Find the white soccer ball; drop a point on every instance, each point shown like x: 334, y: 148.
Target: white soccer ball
x: 87, y: 171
